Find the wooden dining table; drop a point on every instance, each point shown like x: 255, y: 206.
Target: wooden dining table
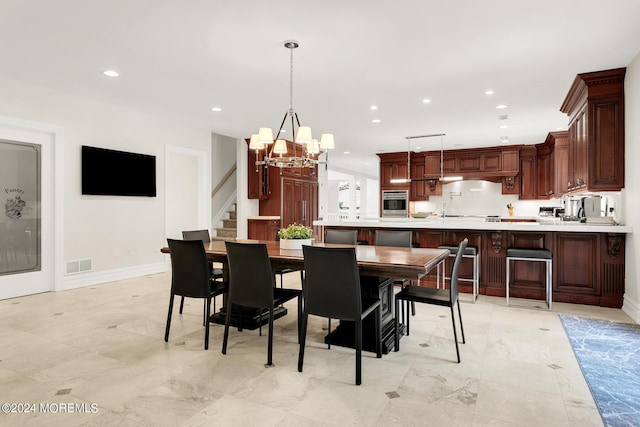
x: 378, y: 266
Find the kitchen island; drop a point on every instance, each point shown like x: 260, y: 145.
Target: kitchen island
x: 588, y: 260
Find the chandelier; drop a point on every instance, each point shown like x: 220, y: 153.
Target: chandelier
x: 306, y: 149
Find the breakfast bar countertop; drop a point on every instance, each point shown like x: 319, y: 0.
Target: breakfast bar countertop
x: 477, y: 223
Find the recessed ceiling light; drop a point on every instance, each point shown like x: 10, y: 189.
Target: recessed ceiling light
x: 426, y: 101
x: 376, y: 121
x: 502, y: 126
x: 504, y: 139
x: 501, y: 106
x: 488, y: 92
x: 216, y: 109
x: 503, y: 117
x: 418, y: 148
x: 560, y: 128
x: 347, y: 152
x: 373, y: 107
x: 111, y: 73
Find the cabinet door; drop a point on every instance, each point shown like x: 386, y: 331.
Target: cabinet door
x: 492, y: 162
x: 527, y: 177
x: 545, y: 184
x: 469, y: 163
x: 606, y: 153
x: 417, y: 189
x: 576, y: 264
x: 258, y: 178
x: 578, y: 152
x: 561, y: 169
x: 432, y: 166
x: 257, y: 229
x: 291, y: 202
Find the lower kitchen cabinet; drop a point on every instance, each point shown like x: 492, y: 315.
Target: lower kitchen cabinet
x: 262, y: 229
x: 588, y: 268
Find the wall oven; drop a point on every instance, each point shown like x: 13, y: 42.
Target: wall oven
x: 395, y: 203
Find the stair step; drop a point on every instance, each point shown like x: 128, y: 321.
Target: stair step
x: 229, y: 223
x: 227, y: 232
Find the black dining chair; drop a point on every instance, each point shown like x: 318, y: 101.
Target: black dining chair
x: 401, y: 239
x: 190, y: 278
x: 442, y: 297
x: 282, y: 271
x: 252, y: 284
x: 345, y: 237
x: 215, y: 273
x: 332, y: 289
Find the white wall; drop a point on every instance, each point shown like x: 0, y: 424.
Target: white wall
x: 119, y: 233
x: 632, y: 189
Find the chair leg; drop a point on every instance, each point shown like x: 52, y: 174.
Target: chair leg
x: 181, y: 304
x: 270, y: 345
x: 303, y: 338
x: 260, y: 323
x: 206, y: 327
x: 396, y: 338
x: 461, y: 327
x: 378, y: 322
x: 413, y: 308
x: 299, y: 316
x: 358, y: 351
x: 507, y: 281
x: 204, y: 311
x: 227, y: 322
x: 166, y: 331
x: 407, y: 303
x: 455, y: 334
x: 329, y: 334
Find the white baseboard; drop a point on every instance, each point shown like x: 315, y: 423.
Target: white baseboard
x: 632, y: 308
x: 97, y: 277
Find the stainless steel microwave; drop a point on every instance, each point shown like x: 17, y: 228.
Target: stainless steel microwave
x: 395, y: 203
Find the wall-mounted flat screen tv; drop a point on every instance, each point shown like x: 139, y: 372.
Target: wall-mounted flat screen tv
x: 117, y: 173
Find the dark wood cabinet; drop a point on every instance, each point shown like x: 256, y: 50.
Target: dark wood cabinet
x: 588, y: 268
x: 393, y: 166
x: 528, y: 178
x: 299, y: 202
x: 595, y: 106
x: 418, y: 189
x: 257, y: 177
x: 262, y: 229
x: 552, y: 164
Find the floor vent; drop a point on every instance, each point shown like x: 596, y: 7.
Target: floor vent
x: 79, y: 266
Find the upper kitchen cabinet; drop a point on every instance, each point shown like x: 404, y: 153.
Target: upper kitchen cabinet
x: 393, y: 166
x: 478, y: 163
x: 257, y: 176
x: 552, y: 165
x: 528, y: 181
x: 595, y: 106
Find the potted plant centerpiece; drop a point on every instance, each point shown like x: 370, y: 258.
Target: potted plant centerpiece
x: 294, y: 236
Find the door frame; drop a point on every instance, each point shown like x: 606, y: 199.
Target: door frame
x: 55, y: 248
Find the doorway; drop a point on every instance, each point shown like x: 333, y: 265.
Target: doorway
x: 30, y: 247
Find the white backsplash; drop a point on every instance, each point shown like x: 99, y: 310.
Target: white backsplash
x: 472, y: 197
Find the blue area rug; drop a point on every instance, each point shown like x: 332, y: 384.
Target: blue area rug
x: 609, y: 356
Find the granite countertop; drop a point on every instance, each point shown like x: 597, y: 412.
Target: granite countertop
x: 478, y: 223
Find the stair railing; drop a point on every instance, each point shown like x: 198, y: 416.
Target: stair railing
x: 224, y: 180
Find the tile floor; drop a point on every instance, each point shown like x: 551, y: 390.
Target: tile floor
x: 99, y: 351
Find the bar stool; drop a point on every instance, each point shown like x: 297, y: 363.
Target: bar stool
x: 469, y: 252
x: 543, y: 255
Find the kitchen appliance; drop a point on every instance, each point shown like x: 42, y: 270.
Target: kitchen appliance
x: 573, y: 208
x: 551, y: 212
x: 592, y: 206
x: 395, y: 203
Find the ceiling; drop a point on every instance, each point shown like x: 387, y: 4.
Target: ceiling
x: 185, y: 57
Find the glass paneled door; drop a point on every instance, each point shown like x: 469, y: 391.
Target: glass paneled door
x: 20, y: 226
x: 25, y: 206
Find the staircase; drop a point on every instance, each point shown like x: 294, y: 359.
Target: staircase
x: 229, y: 229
